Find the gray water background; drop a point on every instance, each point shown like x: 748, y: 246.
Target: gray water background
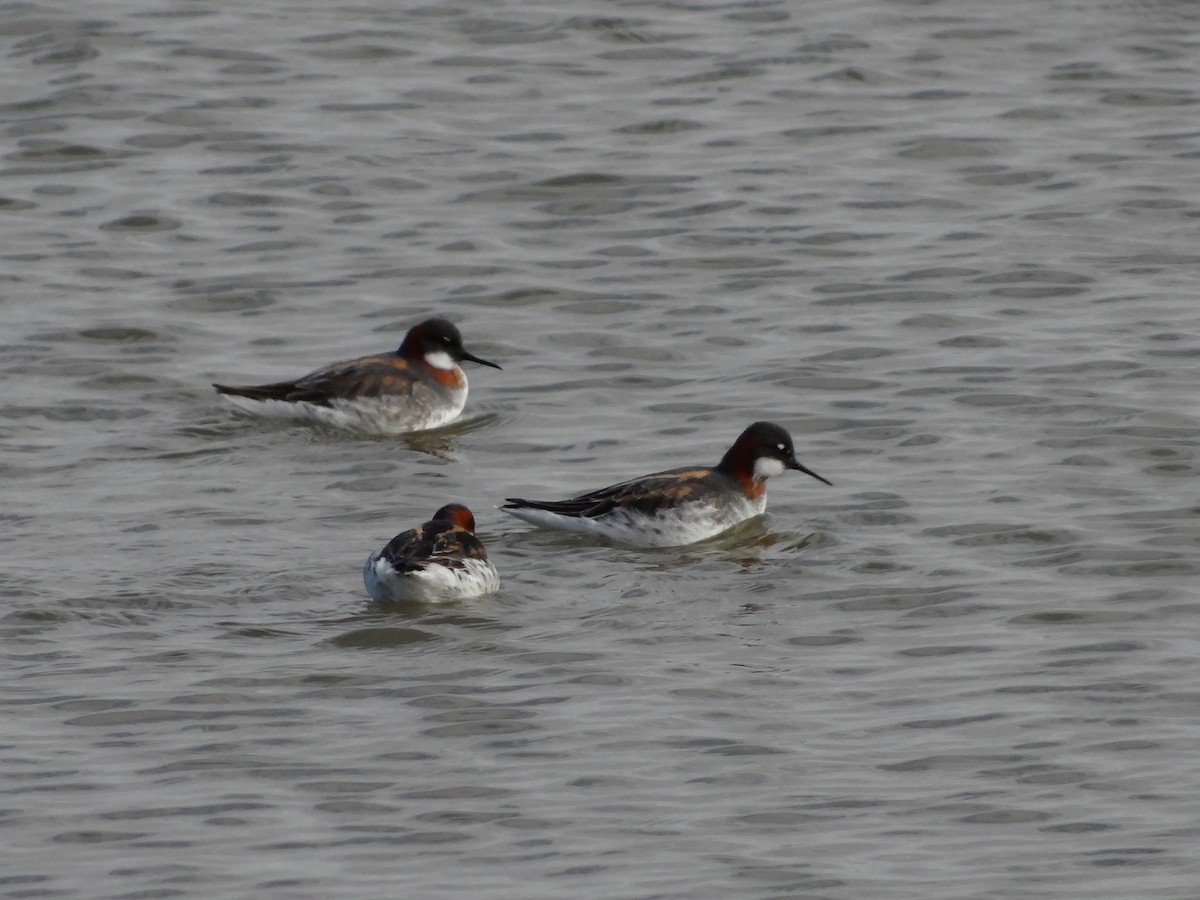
x: 952, y: 246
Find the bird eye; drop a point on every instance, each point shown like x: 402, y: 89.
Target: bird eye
x: 780, y: 448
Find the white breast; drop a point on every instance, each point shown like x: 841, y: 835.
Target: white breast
x: 432, y: 584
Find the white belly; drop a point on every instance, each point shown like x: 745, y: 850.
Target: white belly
x: 671, y: 528
x: 373, y: 415
x: 432, y: 584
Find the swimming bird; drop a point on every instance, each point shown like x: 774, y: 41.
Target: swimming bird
x: 678, y: 506
x: 418, y: 386
x: 439, y: 560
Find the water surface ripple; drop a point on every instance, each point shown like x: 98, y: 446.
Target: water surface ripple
x: 950, y: 246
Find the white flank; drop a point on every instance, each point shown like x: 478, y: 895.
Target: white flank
x: 671, y: 528
x: 431, y: 584
x: 372, y: 415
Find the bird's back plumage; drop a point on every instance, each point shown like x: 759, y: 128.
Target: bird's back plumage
x: 677, y: 506
x: 418, y: 386
x: 369, y: 376
x: 440, y: 559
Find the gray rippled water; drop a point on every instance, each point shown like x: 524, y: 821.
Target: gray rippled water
x: 950, y: 246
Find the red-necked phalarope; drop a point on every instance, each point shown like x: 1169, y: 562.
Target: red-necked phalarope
x: 439, y: 560
x: 416, y: 387
x: 679, y: 506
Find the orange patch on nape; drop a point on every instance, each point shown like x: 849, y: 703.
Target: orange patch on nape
x: 463, y: 519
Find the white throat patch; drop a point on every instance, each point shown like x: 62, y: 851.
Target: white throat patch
x: 440, y: 359
x: 765, y: 467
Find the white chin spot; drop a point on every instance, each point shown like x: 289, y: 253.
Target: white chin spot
x: 440, y: 359
x: 765, y: 467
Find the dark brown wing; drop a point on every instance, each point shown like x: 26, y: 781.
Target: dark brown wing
x: 433, y: 542
x: 370, y: 376
x: 647, y: 495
